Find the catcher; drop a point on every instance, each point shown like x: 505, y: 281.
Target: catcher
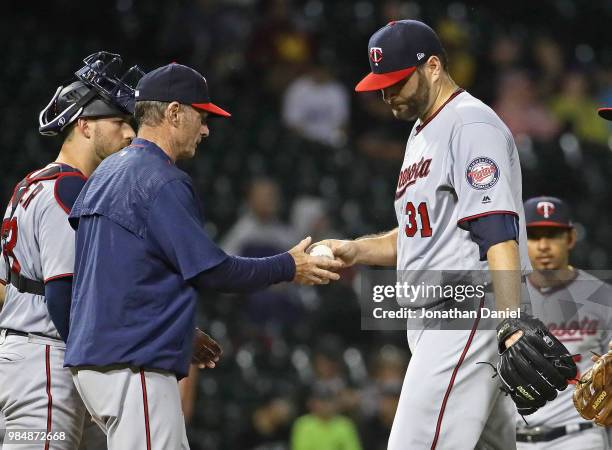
x: 574, y: 306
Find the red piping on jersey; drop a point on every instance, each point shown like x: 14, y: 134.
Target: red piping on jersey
x: 56, y: 277
x: 50, y: 177
x: 143, y: 382
x: 3, y: 283
x: 453, y: 376
x: 60, y: 176
x: 430, y: 118
x: 49, y: 396
x: 488, y: 213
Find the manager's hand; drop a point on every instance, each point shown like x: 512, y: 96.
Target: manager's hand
x: 312, y: 270
x: 206, y: 351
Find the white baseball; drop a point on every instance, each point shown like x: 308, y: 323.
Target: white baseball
x: 322, y: 250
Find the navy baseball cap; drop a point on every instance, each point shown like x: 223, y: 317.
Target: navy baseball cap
x: 547, y: 212
x: 177, y: 83
x: 606, y: 113
x: 396, y: 50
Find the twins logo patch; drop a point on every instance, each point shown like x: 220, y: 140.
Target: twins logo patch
x: 482, y: 173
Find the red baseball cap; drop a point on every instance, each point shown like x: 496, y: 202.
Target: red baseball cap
x: 606, y: 113
x: 396, y: 50
x: 177, y: 83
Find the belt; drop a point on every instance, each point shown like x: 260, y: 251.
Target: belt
x: 24, y: 284
x: 545, y: 434
x: 11, y: 332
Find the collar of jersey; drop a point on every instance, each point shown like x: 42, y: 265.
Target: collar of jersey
x: 546, y: 291
x: 154, y: 148
x: 430, y: 118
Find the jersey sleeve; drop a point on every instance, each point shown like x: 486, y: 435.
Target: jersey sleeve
x: 489, y: 230
x: 175, y: 227
x: 56, y: 242
x: 67, y: 189
x: 481, y: 172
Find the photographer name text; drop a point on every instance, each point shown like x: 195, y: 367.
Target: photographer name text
x: 453, y: 313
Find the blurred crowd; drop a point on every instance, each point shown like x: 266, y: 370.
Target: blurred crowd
x: 304, y: 155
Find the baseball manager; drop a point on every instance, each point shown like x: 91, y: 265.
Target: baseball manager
x: 142, y: 255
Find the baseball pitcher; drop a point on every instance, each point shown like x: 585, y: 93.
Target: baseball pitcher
x: 459, y: 207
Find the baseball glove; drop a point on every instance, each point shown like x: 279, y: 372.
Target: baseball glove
x: 592, y: 394
x: 535, y: 367
x: 206, y: 351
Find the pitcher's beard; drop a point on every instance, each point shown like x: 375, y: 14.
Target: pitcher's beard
x: 415, y: 106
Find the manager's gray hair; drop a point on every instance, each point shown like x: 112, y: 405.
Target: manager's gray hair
x: 150, y: 113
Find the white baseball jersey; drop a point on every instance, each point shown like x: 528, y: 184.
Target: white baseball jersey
x: 39, y: 246
x: 578, y: 314
x: 459, y: 165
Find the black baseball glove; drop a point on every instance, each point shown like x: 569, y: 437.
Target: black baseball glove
x: 535, y: 367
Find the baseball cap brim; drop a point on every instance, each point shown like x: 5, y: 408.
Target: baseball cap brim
x: 548, y: 223
x: 377, y: 81
x: 211, y: 108
x: 606, y: 113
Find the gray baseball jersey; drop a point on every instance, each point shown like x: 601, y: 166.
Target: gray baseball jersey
x: 578, y: 314
x: 460, y: 164
x: 41, y: 245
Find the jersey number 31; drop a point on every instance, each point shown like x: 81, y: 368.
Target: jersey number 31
x: 411, y: 220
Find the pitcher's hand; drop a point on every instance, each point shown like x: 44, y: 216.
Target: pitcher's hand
x: 344, y: 251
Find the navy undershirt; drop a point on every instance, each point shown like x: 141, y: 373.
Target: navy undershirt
x: 239, y: 274
x: 58, y: 295
x: 493, y: 229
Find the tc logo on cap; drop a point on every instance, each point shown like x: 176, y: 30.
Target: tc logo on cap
x: 545, y: 209
x: 376, y: 55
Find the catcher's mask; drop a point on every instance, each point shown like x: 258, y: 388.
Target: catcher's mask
x: 99, y: 91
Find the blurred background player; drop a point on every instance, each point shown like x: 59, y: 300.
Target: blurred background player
x: 324, y: 428
x: 92, y: 114
x: 259, y: 231
x: 575, y: 306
